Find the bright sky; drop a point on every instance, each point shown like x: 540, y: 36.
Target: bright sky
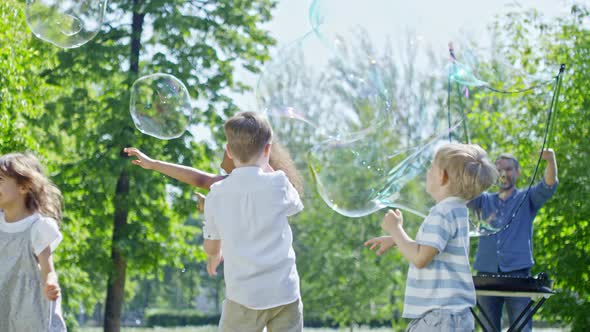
x: 434, y: 19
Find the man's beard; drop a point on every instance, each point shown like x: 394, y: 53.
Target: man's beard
x: 505, y: 186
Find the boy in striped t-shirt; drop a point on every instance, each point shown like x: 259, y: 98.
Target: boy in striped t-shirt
x: 439, y: 287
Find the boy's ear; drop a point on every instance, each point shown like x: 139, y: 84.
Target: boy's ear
x: 227, y: 164
x: 444, y: 177
x: 228, y: 152
x: 267, y: 149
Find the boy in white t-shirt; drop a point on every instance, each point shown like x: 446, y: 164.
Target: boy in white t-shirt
x: 246, y: 226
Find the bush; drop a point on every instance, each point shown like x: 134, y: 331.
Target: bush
x: 173, y: 317
x: 187, y: 317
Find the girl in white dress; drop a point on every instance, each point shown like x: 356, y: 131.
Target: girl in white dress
x: 30, y: 209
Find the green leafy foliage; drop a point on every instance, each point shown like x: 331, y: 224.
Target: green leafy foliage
x: 561, y: 230
x: 71, y: 107
x: 21, y: 88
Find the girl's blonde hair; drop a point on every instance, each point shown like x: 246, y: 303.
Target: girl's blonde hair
x: 43, y: 196
x: 280, y: 160
x: 468, y: 169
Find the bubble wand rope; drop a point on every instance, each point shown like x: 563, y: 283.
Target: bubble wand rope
x: 548, y: 128
x: 554, y: 103
x: 452, y: 70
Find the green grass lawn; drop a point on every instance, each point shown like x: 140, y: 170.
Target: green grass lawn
x: 213, y: 329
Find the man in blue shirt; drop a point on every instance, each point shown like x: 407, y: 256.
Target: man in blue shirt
x: 510, y: 251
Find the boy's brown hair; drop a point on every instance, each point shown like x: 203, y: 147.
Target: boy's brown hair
x: 247, y: 134
x: 468, y: 169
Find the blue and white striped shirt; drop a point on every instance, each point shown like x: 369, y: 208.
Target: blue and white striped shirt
x: 445, y: 283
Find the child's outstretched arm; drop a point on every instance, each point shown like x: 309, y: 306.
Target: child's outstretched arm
x: 50, y: 285
x: 181, y: 173
x: 417, y: 254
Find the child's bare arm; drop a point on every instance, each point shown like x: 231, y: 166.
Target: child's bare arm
x: 51, y: 287
x: 419, y: 255
x: 181, y: 173
x: 214, y: 257
x: 212, y: 247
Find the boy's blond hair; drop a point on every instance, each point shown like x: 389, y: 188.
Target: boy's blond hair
x: 247, y: 134
x: 467, y: 167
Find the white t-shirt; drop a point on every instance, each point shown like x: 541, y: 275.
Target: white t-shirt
x: 45, y: 232
x: 248, y: 212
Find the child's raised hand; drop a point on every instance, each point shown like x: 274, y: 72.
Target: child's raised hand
x: 52, y: 291
x: 383, y: 243
x: 212, y: 264
x: 392, y: 221
x: 142, y: 160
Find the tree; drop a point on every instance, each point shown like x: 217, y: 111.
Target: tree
x: 561, y: 227
x: 564, y: 228
x: 20, y: 85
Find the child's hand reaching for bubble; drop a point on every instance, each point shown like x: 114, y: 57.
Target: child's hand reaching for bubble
x: 392, y: 221
x: 142, y: 160
x: 382, y: 244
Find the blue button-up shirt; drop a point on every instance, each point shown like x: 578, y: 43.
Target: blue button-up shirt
x: 511, y: 248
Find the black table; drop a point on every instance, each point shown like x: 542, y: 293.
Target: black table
x: 525, y: 316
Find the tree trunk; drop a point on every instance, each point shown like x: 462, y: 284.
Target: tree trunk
x: 116, y: 284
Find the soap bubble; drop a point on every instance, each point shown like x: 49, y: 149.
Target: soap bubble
x: 65, y: 23
x: 365, y: 98
x: 160, y: 106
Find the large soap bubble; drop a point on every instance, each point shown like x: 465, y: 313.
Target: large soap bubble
x: 160, y: 106
x: 366, y: 113
x: 510, y: 123
x: 376, y: 86
x: 320, y: 94
x: 65, y: 23
x: 359, y: 176
x: 507, y: 95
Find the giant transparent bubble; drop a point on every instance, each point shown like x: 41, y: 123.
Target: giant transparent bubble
x: 358, y: 176
x: 371, y: 91
x: 515, y: 123
x: 321, y: 94
x: 65, y: 23
x: 160, y: 106
x: 369, y: 130
x: 509, y: 104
